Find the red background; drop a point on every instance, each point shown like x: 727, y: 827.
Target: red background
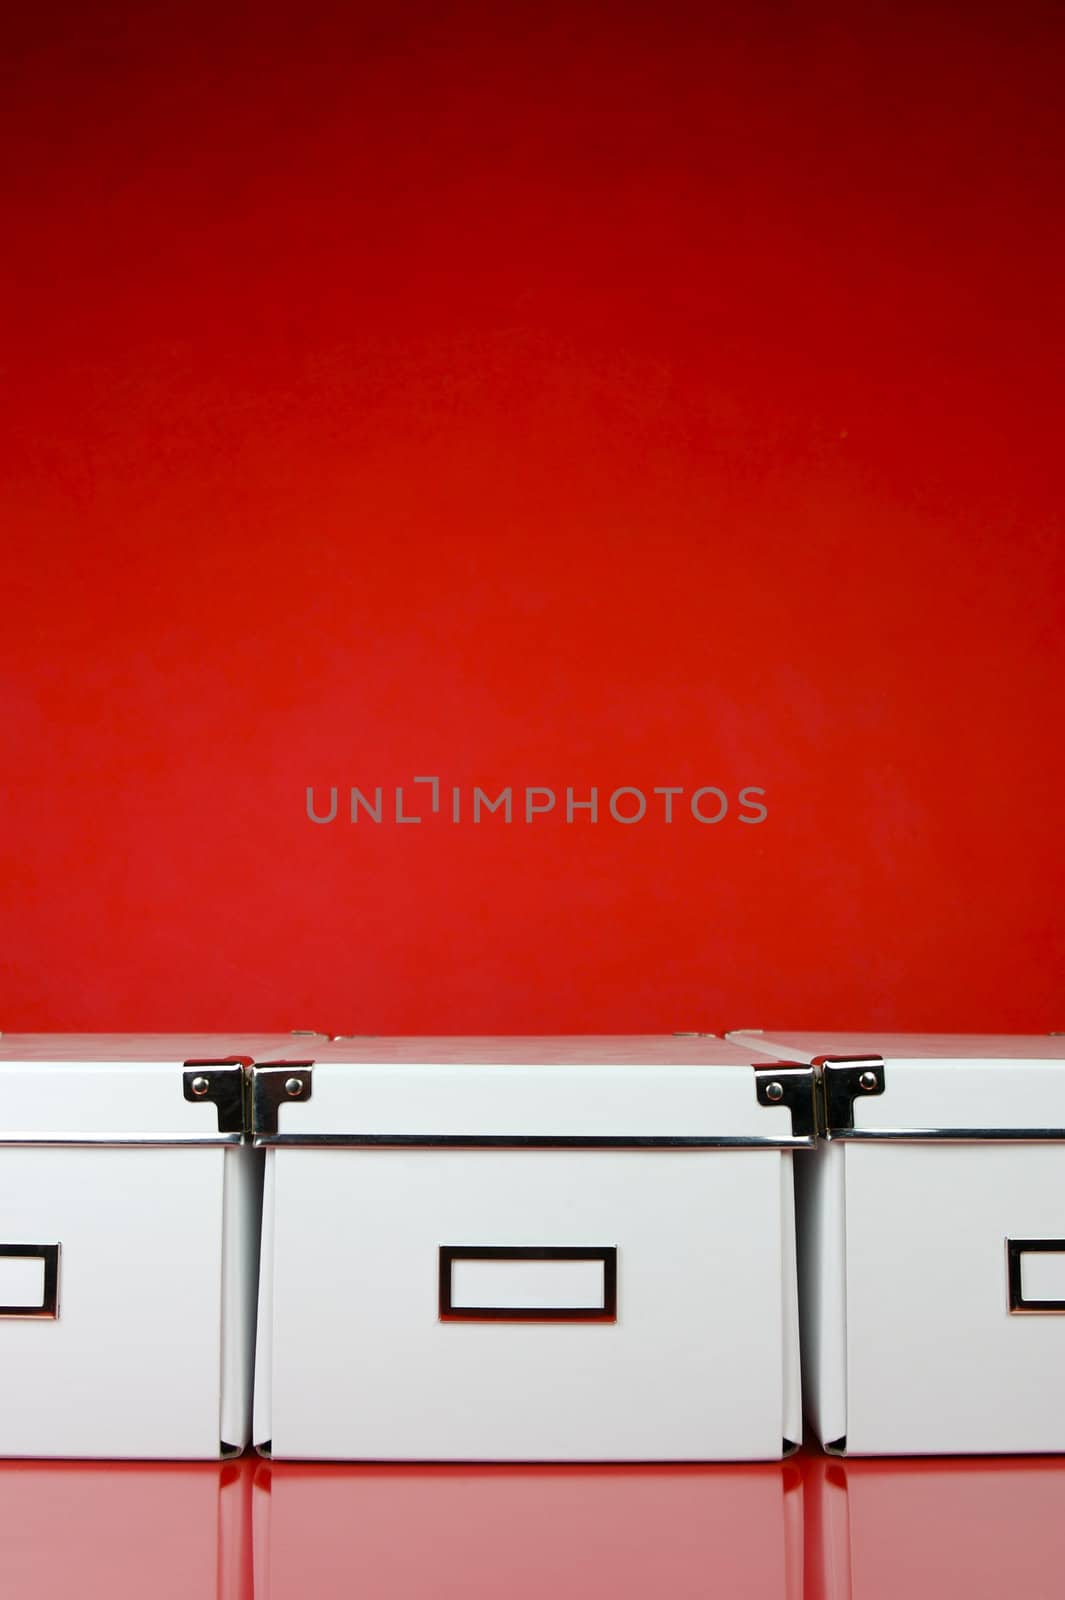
x: 532, y: 394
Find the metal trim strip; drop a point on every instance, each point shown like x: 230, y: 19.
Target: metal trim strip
x: 115, y: 1140
x: 954, y: 1135
x: 522, y: 1141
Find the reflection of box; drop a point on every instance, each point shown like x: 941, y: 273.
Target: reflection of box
x: 932, y: 1242
x: 476, y: 1533
x: 529, y: 1249
x: 982, y: 1529
x: 128, y: 1225
x: 123, y: 1532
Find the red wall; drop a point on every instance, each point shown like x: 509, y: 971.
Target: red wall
x: 533, y: 395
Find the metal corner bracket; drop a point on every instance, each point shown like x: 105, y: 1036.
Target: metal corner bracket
x: 224, y: 1083
x: 843, y: 1080
x: 274, y: 1084
x: 788, y: 1084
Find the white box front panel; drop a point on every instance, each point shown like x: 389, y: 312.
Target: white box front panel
x: 358, y: 1364
x: 935, y: 1360
x: 132, y: 1365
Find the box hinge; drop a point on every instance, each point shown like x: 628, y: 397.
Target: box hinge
x: 843, y: 1080
x: 789, y: 1084
x: 225, y: 1084
x: 274, y: 1084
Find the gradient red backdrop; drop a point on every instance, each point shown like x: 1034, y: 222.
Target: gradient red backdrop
x: 532, y: 394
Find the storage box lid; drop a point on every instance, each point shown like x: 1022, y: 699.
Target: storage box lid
x: 585, y: 1092
x: 125, y: 1088
x: 931, y: 1086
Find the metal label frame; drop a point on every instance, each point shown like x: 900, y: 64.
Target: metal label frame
x: 49, y: 1253
x: 607, y: 1254
x: 1015, y: 1249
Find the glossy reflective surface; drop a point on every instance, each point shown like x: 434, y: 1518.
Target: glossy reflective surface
x: 528, y: 1532
x: 125, y: 1530
x: 812, y: 1528
x: 983, y: 1528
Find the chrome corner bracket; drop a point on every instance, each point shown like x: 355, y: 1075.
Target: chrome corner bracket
x: 787, y: 1083
x: 843, y: 1080
x: 224, y: 1083
x: 274, y: 1084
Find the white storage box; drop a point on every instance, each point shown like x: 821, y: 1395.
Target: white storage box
x: 529, y: 1249
x: 932, y: 1242
x: 129, y: 1212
